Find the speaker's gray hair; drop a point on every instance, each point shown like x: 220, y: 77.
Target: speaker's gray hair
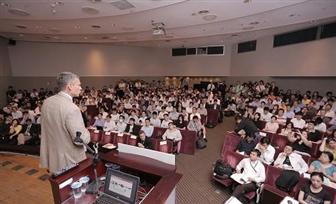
x: 65, y: 78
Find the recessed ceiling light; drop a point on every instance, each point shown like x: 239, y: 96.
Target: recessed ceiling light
x: 96, y: 26
x: 4, y: 4
x: 209, y: 17
x: 85, y: 38
x: 59, y: 3
x: 56, y: 37
x: 203, y: 12
x: 18, y: 12
x: 77, y: 27
x: 254, y: 23
x: 90, y: 10
x: 21, y: 26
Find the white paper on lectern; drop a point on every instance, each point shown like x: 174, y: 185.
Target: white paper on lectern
x: 160, y: 156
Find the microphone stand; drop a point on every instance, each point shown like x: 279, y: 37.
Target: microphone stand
x: 93, y: 188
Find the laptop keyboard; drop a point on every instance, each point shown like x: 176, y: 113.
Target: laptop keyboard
x: 105, y: 199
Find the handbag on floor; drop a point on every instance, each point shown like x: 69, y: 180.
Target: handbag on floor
x: 201, y: 143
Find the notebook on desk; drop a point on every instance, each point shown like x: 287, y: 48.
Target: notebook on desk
x: 120, y: 188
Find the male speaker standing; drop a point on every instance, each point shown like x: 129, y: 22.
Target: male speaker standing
x: 61, y: 119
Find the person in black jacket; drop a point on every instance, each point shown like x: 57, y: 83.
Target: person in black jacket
x: 131, y: 128
x: 29, y: 132
x: 143, y: 141
x: 247, y: 125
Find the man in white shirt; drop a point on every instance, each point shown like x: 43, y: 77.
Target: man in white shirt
x: 291, y: 160
x: 121, y: 124
x: 165, y: 122
x: 266, y: 149
x: 109, y: 124
x: 254, y: 173
x: 155, y: 121
x: 148, y: 128
x: 266, y: 115
x: 194, y: 113
x: 298, y: 122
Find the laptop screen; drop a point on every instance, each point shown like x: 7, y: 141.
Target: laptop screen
x: 121, y: 185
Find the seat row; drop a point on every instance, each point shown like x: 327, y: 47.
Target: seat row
x: 270, y: 193
x: 277, y: 141
x: 114, y: 138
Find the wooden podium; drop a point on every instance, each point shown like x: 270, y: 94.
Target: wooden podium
x: 161, y: 175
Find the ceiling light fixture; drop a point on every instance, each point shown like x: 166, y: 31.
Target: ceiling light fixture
x: 209, y: 17
x: 203, y: 12
x: 96, y: 26
x: 90, y: 10
x: 4, y: 4
x: 18, y: 12
x: 21, y: 26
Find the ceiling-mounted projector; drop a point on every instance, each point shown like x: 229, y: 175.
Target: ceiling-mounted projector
x: 158, y: 28
x: 158, y: 31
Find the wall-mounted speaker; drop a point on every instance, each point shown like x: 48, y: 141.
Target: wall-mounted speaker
x: 11, y: 42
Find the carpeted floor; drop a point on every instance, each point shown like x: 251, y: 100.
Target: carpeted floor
x: 196, y: 186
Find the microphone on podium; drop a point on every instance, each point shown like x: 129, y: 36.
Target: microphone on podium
x: 77, y: 138
x: 79, y: 141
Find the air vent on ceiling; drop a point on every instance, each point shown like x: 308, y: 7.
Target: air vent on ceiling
x: 122, y: 4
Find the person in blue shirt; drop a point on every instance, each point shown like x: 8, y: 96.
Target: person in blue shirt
x: 325, y: 166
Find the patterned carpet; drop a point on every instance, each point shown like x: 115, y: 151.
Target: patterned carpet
x: 196, y: 186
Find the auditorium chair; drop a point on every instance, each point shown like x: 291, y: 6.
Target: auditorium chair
x: 131, y: 140
x: 162, y: 145
x: 271, y: 194
x: 212, y: 118
x: 95, y: 135
x: 279, y: 142
x: 203, y: 119
x: 120, y: 138
x: 314, y: 150
x: 188, y: 143
x: 107, y: 137
x: 231, y: 158
x: 158, y: 132
x: 231, y: 141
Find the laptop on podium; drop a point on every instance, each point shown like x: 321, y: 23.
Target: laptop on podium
x: 120, y: 188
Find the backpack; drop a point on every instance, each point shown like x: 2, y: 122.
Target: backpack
x: 287, y: 180
x: 222, y: 169
x: 201, y: 143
